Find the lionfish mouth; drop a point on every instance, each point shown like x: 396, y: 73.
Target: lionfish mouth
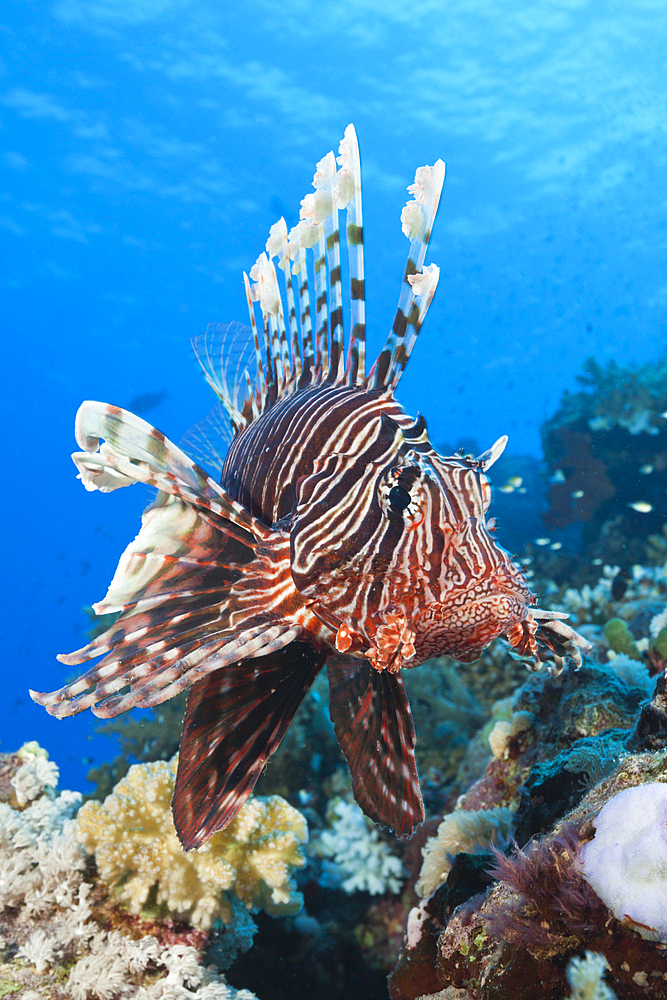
x: 472, y: 623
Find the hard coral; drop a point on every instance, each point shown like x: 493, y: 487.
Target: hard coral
x: 56, y: 933
x: 137, y: 851
x: 362, y: 861
x: 468, y: 831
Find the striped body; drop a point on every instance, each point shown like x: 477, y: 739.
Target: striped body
x: 335, y: 535
x: 320, y: 465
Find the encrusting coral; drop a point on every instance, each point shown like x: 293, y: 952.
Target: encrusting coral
x: 626, y: 861
x: 137, y: 851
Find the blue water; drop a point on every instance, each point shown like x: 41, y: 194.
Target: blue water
x: 148, y: 145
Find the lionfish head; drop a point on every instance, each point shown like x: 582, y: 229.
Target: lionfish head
x: 410, y: 568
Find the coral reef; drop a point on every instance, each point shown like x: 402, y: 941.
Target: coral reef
x: 514, y: 919
x: 606, y: 455
x: 137, y: 852
x: 516, y: 938
x: 142, y: 736
x: 626, y: 861
x: 61, y: 935
x: 516, y: 884
x: 462, y: 832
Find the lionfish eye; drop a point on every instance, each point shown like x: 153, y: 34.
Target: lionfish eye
x: 399, y: 498
x: 400, y: 495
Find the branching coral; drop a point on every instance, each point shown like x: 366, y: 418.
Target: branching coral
x: 104, y: 972
x: 585, y: 977
x: 36, y: 774
x: 137, y: 851
x: 40, y: 864
x: 363, y: 862
x: 53, y: 944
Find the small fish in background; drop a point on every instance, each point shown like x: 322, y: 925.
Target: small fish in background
x: 542, y: 541
x: 577, y: 494
x: 512, y: 484
x: 620, y: 584
x: 646, y: 470
x: 336, y: 534
x: 146, y: 401
x: 641, y: 506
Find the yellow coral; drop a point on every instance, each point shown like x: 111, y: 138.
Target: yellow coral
x: 137, y: 851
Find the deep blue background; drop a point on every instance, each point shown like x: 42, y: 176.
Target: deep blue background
x: 147, y: 146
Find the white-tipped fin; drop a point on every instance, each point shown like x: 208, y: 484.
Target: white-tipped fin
x: 301, y: 340
x: 417, y: 222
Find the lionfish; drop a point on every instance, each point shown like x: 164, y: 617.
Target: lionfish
x: 337, y: 535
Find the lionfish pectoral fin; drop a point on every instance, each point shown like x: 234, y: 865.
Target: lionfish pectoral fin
x: 181, y: 618
x: 548, y: 629
x: 373, y: 724
x: 136, y: 452
x: 235, y: 719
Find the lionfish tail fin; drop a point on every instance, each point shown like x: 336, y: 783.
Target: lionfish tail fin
x: 373, y: 724
x: 419, y: 282
x: 235, y: 719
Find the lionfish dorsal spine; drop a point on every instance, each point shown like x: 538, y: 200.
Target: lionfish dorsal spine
x: 259, y: 358
x: 300, y: 271
x: 322, y: 329
x: 419, y: 282
x: 276, y: 246
x: 288, y: 362
x: 350, y: 185
x: 332, y: 244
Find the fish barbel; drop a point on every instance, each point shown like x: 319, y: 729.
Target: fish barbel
x: 336, y: 535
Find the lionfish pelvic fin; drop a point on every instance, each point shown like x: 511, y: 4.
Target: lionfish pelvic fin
x: 373, y: 724
x: 234, y: 721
